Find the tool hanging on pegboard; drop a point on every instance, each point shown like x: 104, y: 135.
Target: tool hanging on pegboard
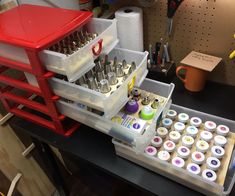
x: 172, y: 6
x: 232, y: 55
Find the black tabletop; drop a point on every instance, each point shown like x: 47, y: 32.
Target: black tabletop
x: 97, y: 149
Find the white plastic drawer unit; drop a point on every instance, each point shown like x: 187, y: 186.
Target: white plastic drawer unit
x: 96, y: 100
x: 76, y: 64
x: 105, y: 125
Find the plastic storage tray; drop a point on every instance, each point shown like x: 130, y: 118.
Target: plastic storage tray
x: 97, y: 100
x: 105, y: 125
x: 75, y: 65
x: 195, y: 182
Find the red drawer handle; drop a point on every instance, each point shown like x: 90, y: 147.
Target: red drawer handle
x: 100, y: 44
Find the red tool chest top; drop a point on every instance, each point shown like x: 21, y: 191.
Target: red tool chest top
x: 35, y: 27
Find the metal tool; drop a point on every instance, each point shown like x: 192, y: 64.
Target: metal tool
x: 157, y: 52
x: 166, y: 53
x: 155, y: 104
x: 104, y: 86
x: 124, y: 64
x: 145, y: 100
x: 115, y: 63
x: 119, y: 70
x: 81, y: 80
x: 136, y: 94
x: 172, y: 6
x: 100, y: 75
x: 133, y: 65
x: 92, y: 83
x: 111, y: 76
x: 151, y: 54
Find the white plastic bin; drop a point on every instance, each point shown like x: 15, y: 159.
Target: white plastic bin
x: 180, y: 175
x: 105, y: 125
x: 108, y: 104
x: 75, y: 65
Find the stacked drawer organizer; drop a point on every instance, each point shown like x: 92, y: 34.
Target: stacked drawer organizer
x: 43, y: 40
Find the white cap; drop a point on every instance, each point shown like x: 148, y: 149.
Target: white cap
x: 171, y: 114
x: 198, y: 157
x: 194, y: 168
x: 213, y: 163
x: 202, y: 146
x: 178, y: 162
x: 206, y: 135
x: 217, y: 151
x: 169, y: 146
x: 183, y: 152
x: 163, y: 155
x: 156, y: 141
x: 195, y: 121
x: 167, y: 122
x: 150, y: 150
x: 210, y: 126
x: 192, y: 131
x: 174, y: 136
x: 162, y: 132
x: 220, y: 140
x: 179, y: 126
x: 222, y: 130
x: 209, y: 175
x: 183, y: 117
x: 187, y: 141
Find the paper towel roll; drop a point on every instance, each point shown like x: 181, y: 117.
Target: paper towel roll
x: 130, y: 28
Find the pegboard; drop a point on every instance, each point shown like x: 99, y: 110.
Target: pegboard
x: 205, y: 26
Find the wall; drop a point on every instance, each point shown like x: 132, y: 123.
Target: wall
x: 206, y: 26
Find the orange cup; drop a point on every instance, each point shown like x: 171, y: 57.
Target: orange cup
x: 194, y: 80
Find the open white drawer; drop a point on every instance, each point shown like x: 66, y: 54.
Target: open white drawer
x: 76, y: 64
x: 105, y: 125
x: 96, y: 100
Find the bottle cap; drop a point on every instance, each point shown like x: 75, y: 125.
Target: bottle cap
x: 147, y: 113
x: 156, y: 141
x: 206, y: 135
x: 213, y: 163
x: 195, y: 121
x: 183, y: 152
x: 178, y: 162
x: 132, y: 106
x: 171, y: 114
x: 163, y: 155
x: 167, y: 122
x: 222, y: 130
x: 202, y: 146
x: 220, y: 140
x: 150, y: 150
x: 198, y: 157
x: 174, y: 136
x: 183, y: 117
x: 187, y: 141
x: 192, y: 131
x: 179, y: 126
x: 169, y: 146
x: 194, y: 168
x: 209, y: 175
x: 210, y: 126
x: 217, y: 151
x: 162, y: 132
